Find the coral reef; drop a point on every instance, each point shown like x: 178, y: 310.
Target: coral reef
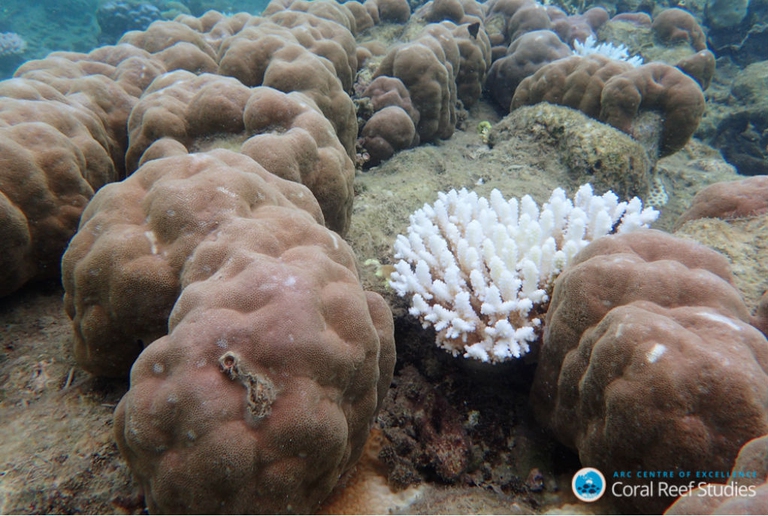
x: 619, y: 94
x: 62, y: 132
x: 425, y: 433
x: 126, y: 249
x: 736, y: 199
x: 285, y: 133
x: 592, y: 152
x: 118, y: 17
x: 216, y: 269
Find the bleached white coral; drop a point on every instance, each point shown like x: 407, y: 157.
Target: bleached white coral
x: 480, y: 270
x: 620, y: 53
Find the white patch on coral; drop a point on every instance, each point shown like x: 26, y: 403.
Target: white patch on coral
x: 477, y: 268
x: 152, y: 240
x: 720, y: 319
x: 227, y: 192
x: 655, y: 353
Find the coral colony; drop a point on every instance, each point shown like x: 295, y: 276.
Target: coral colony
x: 620, y: 53
x: 481, y: 271
x: 11, y: 44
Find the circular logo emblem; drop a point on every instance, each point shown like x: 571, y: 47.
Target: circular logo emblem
x: 588, y: 484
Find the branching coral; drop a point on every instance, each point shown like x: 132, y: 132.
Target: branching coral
x: 481, y: 271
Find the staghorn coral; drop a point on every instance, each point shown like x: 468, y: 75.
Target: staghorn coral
x: 619, y: 53
x: 275, y: 361
x: 481, y: 271
x: 648, y: 361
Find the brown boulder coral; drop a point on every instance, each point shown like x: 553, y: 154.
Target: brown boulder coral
x: 622, y: 96
x: 729, y: 200
x: 63, y: 136
x: 53, y: 155
x: 523, y: 58
x: 285, y: 132
x: 428, y: 73
x: 134, y: 240
x: 276, y: 361
x: 674, y: 26
x: 649, y: 361
x: 745, y: 493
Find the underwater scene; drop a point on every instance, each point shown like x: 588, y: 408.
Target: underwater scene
x: 384, y: 257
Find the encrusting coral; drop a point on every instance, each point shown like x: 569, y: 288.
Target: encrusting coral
x: 481, y: 271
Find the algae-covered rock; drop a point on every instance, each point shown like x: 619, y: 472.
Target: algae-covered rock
x: 591, y: 151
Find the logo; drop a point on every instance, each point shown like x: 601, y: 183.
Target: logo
x: 588, y: 484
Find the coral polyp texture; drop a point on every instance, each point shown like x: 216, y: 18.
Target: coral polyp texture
x: 270, y: 361
x: 480, y: 270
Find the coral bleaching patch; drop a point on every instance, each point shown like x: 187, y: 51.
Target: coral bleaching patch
x: 481, y: 270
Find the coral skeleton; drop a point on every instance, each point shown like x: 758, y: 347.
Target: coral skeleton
x: 481, y: 271
x: 620, y: 53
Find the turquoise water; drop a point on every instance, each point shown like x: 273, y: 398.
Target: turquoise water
x: 82, y: 25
